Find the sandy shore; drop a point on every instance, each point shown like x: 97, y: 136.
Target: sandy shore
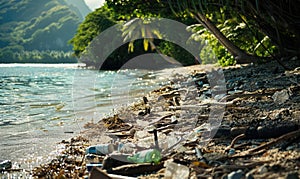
x: 218, y: 122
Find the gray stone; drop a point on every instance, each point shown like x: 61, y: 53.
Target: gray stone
x: 263, y: 169
x: 292, y: 176
x: 236, y: 175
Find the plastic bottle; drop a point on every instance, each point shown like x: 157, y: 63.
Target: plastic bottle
x: 126, y: 148
x: 145, y: 156
x: 101, y: 149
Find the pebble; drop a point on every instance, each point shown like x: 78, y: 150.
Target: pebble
x: 236, y: 175
x: 231, y: 151
x: 260, y: 84
x: 262, y: 169
x: 5, y: 164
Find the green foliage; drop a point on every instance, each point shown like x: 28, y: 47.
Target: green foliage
x: 104, y: 17
x: 253, y: 26
x: 247, y: 26
x: 255, y: 29
x: 179, y: 54
x: 93, y: 25
x: 36, y: 25
x: 242, y: 34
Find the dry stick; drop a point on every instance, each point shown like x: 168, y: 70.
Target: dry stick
x: 159, y: 119
x: 284, y: 137
x: 122, y: 129
x: 156, y: 139
x: 234, y: 96
x: 234, y: 141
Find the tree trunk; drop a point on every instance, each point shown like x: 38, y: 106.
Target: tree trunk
x: 239, y: 55
x: 277, y: 21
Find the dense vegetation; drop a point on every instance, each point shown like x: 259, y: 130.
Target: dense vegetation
x: 236, y: 31
x: 38, y: 31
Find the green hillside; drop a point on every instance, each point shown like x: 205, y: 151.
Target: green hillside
x: 80, y: 7
x: 29, y: 29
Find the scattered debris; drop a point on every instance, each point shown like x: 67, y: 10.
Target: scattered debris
x: 196, y: 128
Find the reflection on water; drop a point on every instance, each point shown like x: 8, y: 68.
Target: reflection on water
x: 41, y: 105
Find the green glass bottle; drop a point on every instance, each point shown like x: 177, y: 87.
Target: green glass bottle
x: 145, y: 156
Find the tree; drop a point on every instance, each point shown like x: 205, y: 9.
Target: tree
x: 93, y: 25
x: 105, y: 17
x: 277, y: 20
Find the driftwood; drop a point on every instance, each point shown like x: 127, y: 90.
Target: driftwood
x: 259, y: 93
x: 136, y: 169
x: 264, y: 132
x: 97, y: 173
x: 168, y: 95
x: 204, y: 105
x: 288, y: 136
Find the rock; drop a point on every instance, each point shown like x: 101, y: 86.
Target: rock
x: 263, y: 169
x: 294, y: 175
x: 5, y: 164
x: 231, y: 151
x: 236, y: 175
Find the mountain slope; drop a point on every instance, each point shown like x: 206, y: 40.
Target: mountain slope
x: 43, y: 25
x: 83, y: 9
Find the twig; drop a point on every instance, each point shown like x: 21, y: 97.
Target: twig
x: 121, y: 129
x: 234, y: 141
x: 159, y: 119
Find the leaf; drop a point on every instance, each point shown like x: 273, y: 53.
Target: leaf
x: 143, y: 31
x: 130, y: 47
x: 146, y: 44
x: 156, y: 32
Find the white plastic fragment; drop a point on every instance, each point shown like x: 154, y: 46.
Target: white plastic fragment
x: 281, y: 96
x: 176, y: 171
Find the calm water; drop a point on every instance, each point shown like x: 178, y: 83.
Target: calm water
x: 41, y: 105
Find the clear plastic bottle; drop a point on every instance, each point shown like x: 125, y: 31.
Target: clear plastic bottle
x: 101, y: 149
x: 145, y: 156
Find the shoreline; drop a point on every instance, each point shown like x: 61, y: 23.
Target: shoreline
x: 249, y: 108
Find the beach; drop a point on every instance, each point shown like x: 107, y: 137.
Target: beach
x: 240, y: 121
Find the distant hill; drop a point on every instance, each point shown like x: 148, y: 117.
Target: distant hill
x: 38, y: 25
x: 81, y: 6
